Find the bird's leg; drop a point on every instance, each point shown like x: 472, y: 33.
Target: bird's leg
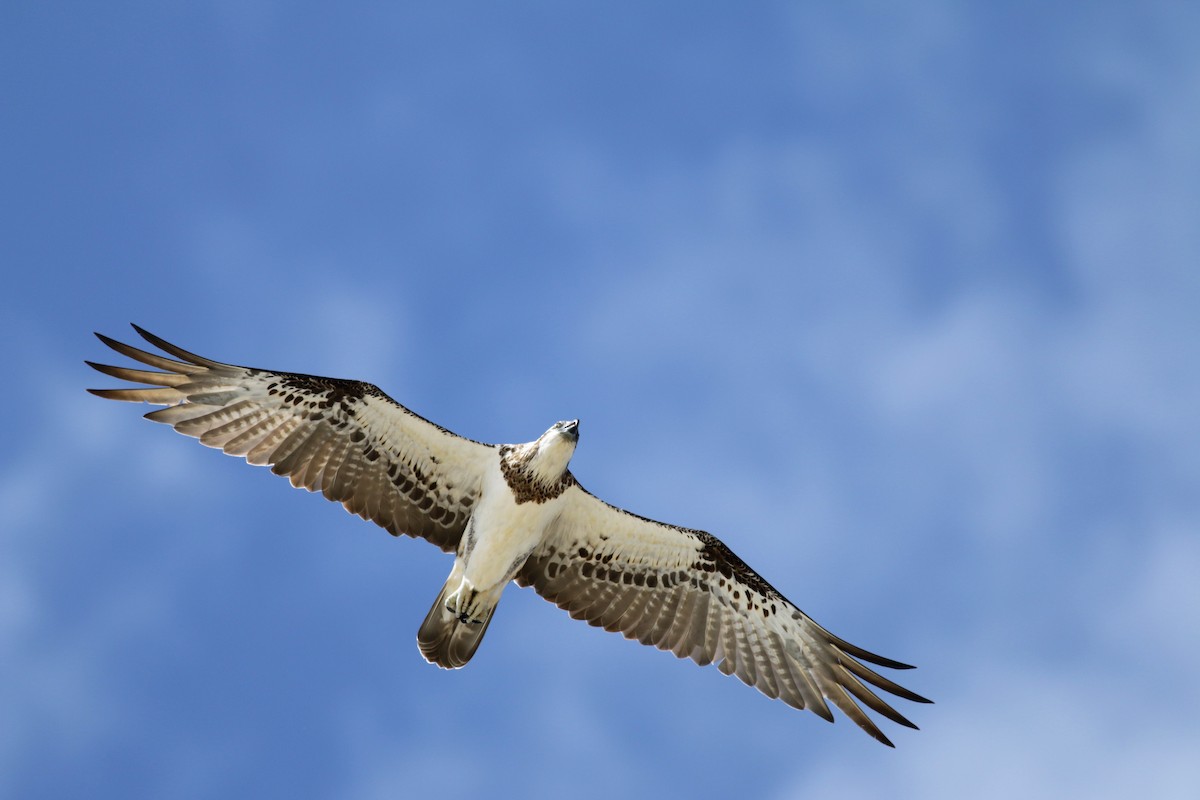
x: 466, y: 603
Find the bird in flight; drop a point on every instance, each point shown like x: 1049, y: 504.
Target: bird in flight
x: 511, y: 512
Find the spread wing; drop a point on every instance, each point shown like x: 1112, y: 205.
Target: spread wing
x: 684, y: 591
x: 345, y: 439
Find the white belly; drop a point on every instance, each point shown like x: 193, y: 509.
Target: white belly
x: 502, y: 534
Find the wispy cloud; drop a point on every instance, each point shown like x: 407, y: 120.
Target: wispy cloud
x: 901, y: 306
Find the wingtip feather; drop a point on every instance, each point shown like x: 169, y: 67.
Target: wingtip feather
x: 152, y: 359
x: 141, y: 375
x: 158, y: 396
x: 862, y: 654
x: 174, y: 350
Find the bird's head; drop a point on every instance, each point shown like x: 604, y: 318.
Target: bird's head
x: 567, y: 429
x: 540, y: 467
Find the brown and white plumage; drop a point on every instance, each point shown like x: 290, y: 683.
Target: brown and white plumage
x: 345, y: 439
x: 511, y: 513
x: 684, y: 591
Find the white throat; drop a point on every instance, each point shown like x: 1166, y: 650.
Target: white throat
x: 550, y: 456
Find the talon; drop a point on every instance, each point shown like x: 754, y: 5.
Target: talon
x: 461, y: 602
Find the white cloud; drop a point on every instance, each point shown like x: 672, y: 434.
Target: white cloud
x: 59, y: 633
x: 911, y: 430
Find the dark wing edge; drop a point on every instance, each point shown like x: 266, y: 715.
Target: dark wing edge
x: 345, y: 439
x: 686, y: 592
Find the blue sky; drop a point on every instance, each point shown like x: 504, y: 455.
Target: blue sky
x: 901, y: 303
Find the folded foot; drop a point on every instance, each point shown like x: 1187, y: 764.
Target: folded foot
x: 467, y: 604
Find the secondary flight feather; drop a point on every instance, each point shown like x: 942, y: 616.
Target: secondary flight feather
x: 510, y: 513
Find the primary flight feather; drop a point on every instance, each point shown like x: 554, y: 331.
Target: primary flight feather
x: 510, y: 513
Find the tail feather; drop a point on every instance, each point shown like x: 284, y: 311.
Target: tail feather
x: 443, y: 639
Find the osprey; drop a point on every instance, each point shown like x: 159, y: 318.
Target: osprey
x: 510, y: 513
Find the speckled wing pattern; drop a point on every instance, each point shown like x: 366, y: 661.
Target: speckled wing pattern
x: 345, y: 439
x: 684, y: 591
